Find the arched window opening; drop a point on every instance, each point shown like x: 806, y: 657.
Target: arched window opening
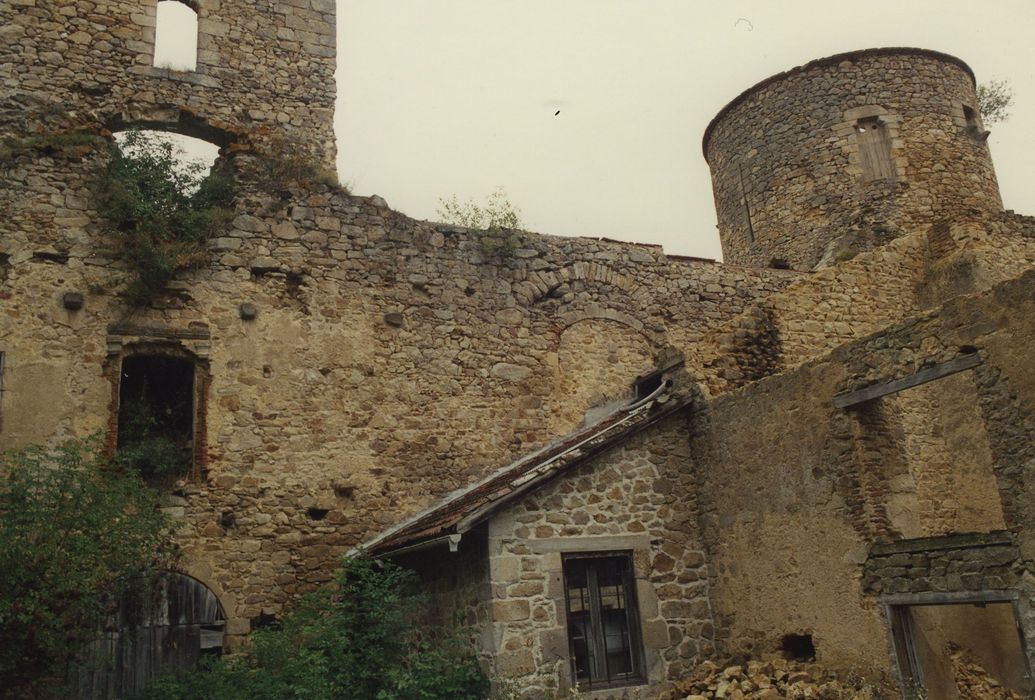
x: 176, y: 36
x: 157, y: 631
x: 156, y: 416
x: 191, y: 159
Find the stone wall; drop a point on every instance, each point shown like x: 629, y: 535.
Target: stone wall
x: 391, y: 361
x: 263, y: 69
x: 633, y: 498
x: 786, y: 170
x: 954, y: 563
x: 816, y: 313
x: 458, y: 589
x: 791, y: 507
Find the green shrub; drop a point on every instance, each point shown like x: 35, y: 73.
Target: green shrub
x: 146, y: 446
x: 76, y: 533
x: 497, y: 219
x: 285, y: 163
x: 162, y: 210
x: 354, y: 641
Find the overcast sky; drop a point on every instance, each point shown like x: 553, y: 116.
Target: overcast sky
x: 442, y: 97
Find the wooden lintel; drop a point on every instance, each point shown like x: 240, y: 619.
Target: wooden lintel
x: 875, y: 391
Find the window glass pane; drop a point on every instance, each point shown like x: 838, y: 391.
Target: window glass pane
x: 579, y: 621
x: 599, y: 620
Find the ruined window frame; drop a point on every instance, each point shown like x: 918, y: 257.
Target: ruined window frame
x: 199, y: 396
x: 638, y: 674
x: 898, y: 614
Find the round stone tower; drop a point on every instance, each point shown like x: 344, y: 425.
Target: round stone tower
x: 844, y: 153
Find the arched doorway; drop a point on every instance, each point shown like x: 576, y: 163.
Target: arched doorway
x: 158, y: 632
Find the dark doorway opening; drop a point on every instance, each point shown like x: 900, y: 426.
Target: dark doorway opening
x: 156, y: 415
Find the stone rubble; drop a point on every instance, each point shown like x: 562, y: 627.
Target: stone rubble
x: 973, y: 682
x: 768, y: 680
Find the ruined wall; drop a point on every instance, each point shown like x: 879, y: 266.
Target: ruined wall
x: 390, y: 362
x: 264, y: 70
x: 816, y: 313
x: 791, y: 184
x: 788, y: 515
x: 636, y: 497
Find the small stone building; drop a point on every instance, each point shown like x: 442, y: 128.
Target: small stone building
x: 577, y: 563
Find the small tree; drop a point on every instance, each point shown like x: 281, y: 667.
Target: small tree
x: 76, y: 533
x: 497, y: 218
x: 162, y: 208
x: 994, y: 99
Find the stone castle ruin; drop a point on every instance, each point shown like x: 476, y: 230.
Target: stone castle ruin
x: 615, y: 463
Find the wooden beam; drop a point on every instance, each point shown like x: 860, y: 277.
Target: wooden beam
x: 875, y: 391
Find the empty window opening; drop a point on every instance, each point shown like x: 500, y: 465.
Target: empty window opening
x: 798, y: 647
x: 176, y: 36
x: 970, y: 114
x: 949, y: 650
x: 190, y: 159
x: 645, y: 386
x: 156, y: 415
x: 317, y: 513
x: 603, y: 621
x: 874, y: 149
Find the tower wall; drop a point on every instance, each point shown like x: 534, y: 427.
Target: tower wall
x: 844, y: 153
x: 263, y: 68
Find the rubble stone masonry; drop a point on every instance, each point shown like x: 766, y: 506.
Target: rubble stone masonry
x: 791, y: 184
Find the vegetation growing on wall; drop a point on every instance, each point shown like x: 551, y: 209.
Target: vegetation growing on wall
x: 146, y: 446
x: 286, y: 163
x: 48, y: 143
x: 162, y: 210
x: 76, y: 533
x: 354, y: 641
x: 498, y: 219
x: 994, y: 100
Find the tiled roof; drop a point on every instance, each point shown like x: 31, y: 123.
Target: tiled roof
x: 463, y: 509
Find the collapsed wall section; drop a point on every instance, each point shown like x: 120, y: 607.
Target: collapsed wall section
x: 818, y: 529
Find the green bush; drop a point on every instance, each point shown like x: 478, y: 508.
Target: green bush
x: 76, y: 534
x: 497, y: 220
x: 162, y: 210
x: 146, y: 446
x: 354, y: 641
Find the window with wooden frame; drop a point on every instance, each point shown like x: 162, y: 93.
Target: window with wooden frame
x: 874, y: 149
x: 604, y: 644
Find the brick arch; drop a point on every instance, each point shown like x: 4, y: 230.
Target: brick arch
x: 539, y: 283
